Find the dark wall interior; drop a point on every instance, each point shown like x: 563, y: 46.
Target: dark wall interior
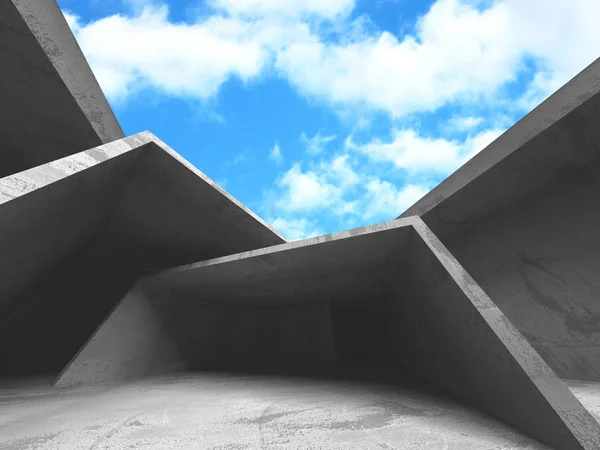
x: 527, y: 230
x: 40, y: 229
x: 417, y: 314
x: 51, y: 104
x: 59, y: 314
x: 60, y: 271
x: 361, y: 334
x: 40, y: 121
x: 539, y: 261
x: 69, y: 255
x: 172, y: 216
x: 156, y: 330
x: 440, y: 333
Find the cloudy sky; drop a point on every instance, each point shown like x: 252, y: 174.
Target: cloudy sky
x: 323, y: 115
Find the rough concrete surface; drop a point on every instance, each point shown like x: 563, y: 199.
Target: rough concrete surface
x: 525, y: 225
x: 539, y: 261
x: 219, y: 411
x: 52, y: 105
x: 108, y: 213
x: 561, y: 103
x: 417, y: 309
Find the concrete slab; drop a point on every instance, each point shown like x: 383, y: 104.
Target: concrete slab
x: 415, y: 308
x: 52, y: 105
x: 228, y: 411
x: 77, y: 233
x: 520, y: 218
x: 554, y: 137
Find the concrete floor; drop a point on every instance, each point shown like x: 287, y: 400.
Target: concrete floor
x: 237, y: 411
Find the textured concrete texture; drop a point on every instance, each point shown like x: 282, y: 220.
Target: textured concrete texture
x: 220, y: 411
x: 77, y: 233
x: 394, y: 298
x: 520, y: 218
x: 52, y: 105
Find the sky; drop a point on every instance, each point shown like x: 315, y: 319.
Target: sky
x: 325, y: 115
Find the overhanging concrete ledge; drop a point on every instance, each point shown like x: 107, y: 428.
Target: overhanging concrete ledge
x: 78, y: 232
x: 385, y: 296
x: 521, y: 218
x: 52, y: 105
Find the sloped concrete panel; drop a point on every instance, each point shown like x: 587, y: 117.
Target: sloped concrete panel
x: 78, y: 232
x: 520, y: 217
x: 52, y: 105
x: 413, y: 303
x: 155, y: 331
x: 471, y: 348
x: 568, y: 114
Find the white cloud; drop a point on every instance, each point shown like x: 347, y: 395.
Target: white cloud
x: 340, y: 170
x: 474, y: 144
x: 414, y: 153
x: 383, y: 198
x: 306, y: 191
x: 348, y: 186
x: 127, y: 53
x: 72, y: 21
x: 317, y: 143
x: 464, y: 123
x: 294, y: 229
x: 457, y: 52
x: 275, y: 154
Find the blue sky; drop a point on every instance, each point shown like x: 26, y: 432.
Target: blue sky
x: 323, y: 115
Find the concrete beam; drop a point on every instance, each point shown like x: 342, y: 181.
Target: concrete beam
x: 413, y: 304
x: 108, y: 213
x: 520, y: 218
x: 52, y: 105
x: 553, y: 138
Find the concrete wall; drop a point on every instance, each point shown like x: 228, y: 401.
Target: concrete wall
x: 583, y: 89
x: 539, y: 261
x: 173, y: 214
x: 40, y: 228
x: 386, y: 296
x: 51, y: 104
x: 47, y: 23
x: 77, y: 233
x: 132, y: 342
x: 154, y: 330
x: 525, y: 225
x: 60, y: 310
x: 444, y: 327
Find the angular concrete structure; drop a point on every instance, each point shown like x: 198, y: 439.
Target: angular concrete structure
x: 520, y: 217
x: 414, y: 307
x: 52, y: 105
x: 125, y: 268
x: 78, y: 232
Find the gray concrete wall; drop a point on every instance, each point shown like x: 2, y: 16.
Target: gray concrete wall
x: 173, y: 214
x: 569, y: 98
x: 526, y: 226
x: 393, y: 297
x: 155, y: 330
x: 40, y: 228
x: 131, y: 342
x: 60, y: 310
x: 51, y: 104
x: 444, y: 327
x: 78, y: 232
x: 539, y: 261
x: 47, y: 23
